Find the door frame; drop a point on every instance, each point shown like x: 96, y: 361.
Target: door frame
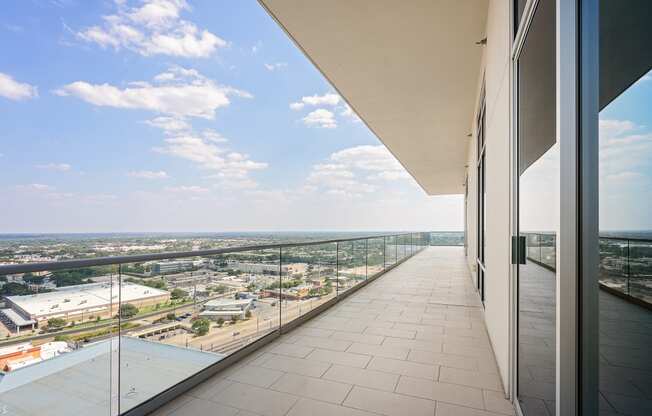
x: 574, y: 200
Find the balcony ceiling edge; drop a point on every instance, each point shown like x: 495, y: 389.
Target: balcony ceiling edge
x: 408, y: 69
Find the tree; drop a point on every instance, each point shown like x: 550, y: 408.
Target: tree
x: 178, y: 294
x: 56, y: 323
x: 32, y: 279
x: 220, y: 322
x: 170, y: 316
x: 201, y: 327
x: 155, y: 283
x: 127, y: 310
x: 248, y: 314
x: 15, y: 289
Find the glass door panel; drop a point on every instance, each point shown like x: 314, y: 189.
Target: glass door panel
x: 538, y: 212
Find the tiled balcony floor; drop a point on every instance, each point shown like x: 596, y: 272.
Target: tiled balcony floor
x: 411, y: 343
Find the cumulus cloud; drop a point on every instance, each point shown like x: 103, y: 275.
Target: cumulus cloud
x: 148, y: 174
x: 625, y: 150
x: 188, y: 95
x: 58, y: 167
x: 355, y: 171
x: 328, y: 99
x: 276, y: 66
x: 153, y: 27
x: 348, y: 112
x: 321, y: 118
x: 207, y: 155
x: 369, y: 158
x: 14, y: 90
x: 169, y: 124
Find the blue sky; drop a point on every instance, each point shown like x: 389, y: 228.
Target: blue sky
x: 626, y: 159
x: 167, y: 115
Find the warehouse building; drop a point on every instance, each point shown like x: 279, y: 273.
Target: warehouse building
x: 79, y: 303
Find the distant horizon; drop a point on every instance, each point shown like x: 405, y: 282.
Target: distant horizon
x: 220, y: 232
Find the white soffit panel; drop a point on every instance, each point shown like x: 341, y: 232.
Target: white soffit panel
x: 409, y: 69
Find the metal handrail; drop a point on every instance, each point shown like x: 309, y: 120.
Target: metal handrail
x: 137, y: 258
x: 642, y: 240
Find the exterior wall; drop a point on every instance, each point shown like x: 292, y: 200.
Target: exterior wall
x: 496, y: 66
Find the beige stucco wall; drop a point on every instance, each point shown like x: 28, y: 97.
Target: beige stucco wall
x: 496, y: 68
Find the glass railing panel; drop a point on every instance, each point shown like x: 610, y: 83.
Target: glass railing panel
x: 640, y: 270
x: 59, y: 350
x: 613, y: 264
x: 308, y: 273
x: 548, y: 243
x: 375, y: 256
x: 446, y: 238
x: 356, y: 270
x: 390, y: 250
x: 186, y: 314
x: 533, y: 247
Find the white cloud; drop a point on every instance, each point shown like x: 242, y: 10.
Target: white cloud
x: 369, y: 158
x: 14, y: 90
x: 148, y: 174
x: 210, y: 157
x: 192, y: 189
x: 391, y: 175
x: 58, y: 167
x: 321, y: 118
x: 213, y: 136
x: 625, y: 150
x: 35, y: 187
x: 348, y: 112
x: 237, y: 184
x: 328, y: 99
x: 192, y: 96
x: 276, y: 66
x: 355, y: 171
x: 169, y: 124
x: 154, y: 27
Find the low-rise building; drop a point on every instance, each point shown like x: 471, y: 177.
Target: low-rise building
x: 162, y: 267
x: 227, y: 309
x: 79, y: 303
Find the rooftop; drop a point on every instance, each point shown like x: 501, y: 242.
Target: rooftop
x: 88, y: 296
x: 83, y: 377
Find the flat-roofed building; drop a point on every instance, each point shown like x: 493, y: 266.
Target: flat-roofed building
x: 82, y: 302
x: 227, y: 308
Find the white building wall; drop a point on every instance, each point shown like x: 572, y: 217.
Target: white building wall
x: 496, y: 66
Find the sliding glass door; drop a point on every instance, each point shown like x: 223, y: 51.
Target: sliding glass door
x: 538, y: 209
x: 617, y: 359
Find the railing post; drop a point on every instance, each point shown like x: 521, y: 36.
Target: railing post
x: 366, y: 259
x: 337, y: 269
x: 395, y: 250
x: 628, y: 270
x: 384, y: 252
x: 280, y: 288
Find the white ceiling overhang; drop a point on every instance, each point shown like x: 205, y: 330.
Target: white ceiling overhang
x: 409, y: 69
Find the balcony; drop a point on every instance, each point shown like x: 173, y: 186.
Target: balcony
x: 412, y: 342
x: 402, y: 329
